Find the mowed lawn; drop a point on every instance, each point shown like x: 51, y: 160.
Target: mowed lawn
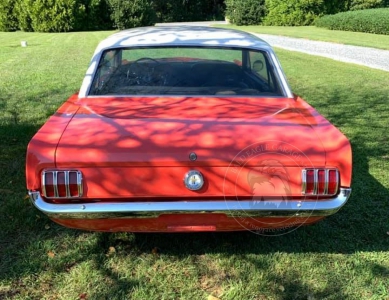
x: 345, y: 256
x: 379, y: 41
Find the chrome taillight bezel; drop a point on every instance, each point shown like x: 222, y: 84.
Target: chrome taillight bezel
x: 66, y: 173
x: 316, y: 181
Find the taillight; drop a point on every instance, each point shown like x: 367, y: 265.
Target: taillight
x: 322, y: 182
x: 62, y: 184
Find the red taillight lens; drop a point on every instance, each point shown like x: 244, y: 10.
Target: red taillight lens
x: 48, y: 184
x: 333, y: 182
x: 73, y: 184
x: 62, y: 184
x: 310, y: 182
x: 323, y: 182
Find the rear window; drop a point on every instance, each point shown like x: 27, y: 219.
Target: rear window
x: 186, y: 71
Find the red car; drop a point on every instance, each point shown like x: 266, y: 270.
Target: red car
x: 187, y: 129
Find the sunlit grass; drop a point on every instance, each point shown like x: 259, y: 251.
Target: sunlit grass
x: 345, y: 256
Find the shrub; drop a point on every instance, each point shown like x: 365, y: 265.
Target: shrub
x: 129, y: 14
x: 8, y: 20
x: 23, y: 13
x: 49, y: 15
x: 367, y: 4
x: 293, y: 12
x: 181, y: 10
x: 98, y: 16
x: 369, y: 20
x: 245, y: 12
x: 335, y: 6
x: 62, y: 15
x: 72, y: 15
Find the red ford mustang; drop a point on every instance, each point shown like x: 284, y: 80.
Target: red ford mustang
x: 187, y: 129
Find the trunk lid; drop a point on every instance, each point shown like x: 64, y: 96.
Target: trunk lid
x: 134, y: 144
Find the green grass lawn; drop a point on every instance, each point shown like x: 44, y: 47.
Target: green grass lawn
x: 379, y: 41
x: 345, y: 256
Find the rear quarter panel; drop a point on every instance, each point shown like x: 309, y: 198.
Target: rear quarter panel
x: 335, y: 143
x: 42, y: 147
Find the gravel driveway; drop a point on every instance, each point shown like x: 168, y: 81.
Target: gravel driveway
x: 369, y: 57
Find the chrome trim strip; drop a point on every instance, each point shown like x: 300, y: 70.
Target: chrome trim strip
x: 315, y: 181
x: 44, y: 184
x: 67, y: 175
x: 55, y: 183
x: 79, y: 184
x: 326, y: 179
x: 281, y: 75
x: 114, y: 210
x: 303, y: 181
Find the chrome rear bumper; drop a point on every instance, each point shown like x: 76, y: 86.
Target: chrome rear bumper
x: 247, y: 208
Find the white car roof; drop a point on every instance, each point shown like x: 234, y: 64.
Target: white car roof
x: 182, y: 36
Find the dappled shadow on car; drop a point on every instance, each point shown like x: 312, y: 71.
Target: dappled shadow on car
x: 361, y: 225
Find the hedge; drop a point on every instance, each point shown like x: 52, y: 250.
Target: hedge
x: 8, y: 19
x: 129, y: 14
x: 290, y: 12
x: 54, y: 15
x: 77, y: 15
x: 245, y: 12
x: 188, y: 10
x: 369, y: 20
x: 97, y: 16
x: 367, y: 4
x: 293, y: 12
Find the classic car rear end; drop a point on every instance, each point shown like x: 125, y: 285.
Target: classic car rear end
x: 187, y: 129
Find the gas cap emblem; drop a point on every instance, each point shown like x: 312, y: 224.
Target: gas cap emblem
x: 194, y: 180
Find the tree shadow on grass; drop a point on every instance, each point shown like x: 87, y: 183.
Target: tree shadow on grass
x: 48, y: 250
x: 360, y: 226
x: 31, y: 244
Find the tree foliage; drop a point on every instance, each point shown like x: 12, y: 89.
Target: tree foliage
x: 188, y: 10
x: 8, y: 16
x: 77, y: 15
x: 367, y: 4
x: 54, y: 15
x: 126, y: 14
x: 245, y: 12
x: 293, y: 12
x: 93, y: 15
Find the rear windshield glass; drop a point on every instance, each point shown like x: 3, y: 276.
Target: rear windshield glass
x: 185, y: 71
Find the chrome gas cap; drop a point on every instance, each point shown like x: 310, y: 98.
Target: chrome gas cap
x: 194, y: 180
